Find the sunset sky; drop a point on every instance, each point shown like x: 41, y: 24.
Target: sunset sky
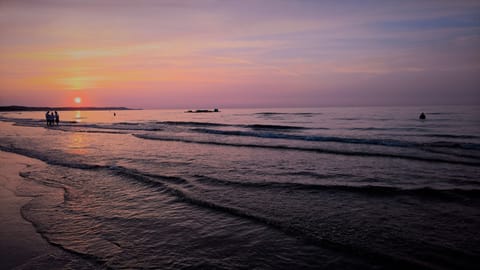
x: 205, y: 54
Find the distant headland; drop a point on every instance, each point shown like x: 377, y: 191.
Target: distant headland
x: 25, y: 108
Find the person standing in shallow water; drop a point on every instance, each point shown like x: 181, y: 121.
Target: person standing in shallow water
x: 57, y: 118
x: 47, y: 118
x: 422, y: 116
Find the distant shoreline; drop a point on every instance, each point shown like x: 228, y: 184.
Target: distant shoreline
x: 31, y: 109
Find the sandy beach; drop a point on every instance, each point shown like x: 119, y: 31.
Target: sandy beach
x: 21, y: 247
x: 20, y: 243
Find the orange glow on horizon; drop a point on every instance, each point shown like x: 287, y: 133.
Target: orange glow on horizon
x: 285, y: 55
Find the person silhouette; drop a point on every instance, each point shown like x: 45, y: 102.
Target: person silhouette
x: 47, y: 118
x: 52, y: 119
x: 422, y: 116
x: 57, y: 118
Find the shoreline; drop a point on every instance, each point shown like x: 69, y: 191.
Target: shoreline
x: 21, y: 246
x: 20, y: 243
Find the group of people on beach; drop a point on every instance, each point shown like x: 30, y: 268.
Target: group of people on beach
x: 52, y: 118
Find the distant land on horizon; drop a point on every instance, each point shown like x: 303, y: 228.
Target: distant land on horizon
x: 28, y: 108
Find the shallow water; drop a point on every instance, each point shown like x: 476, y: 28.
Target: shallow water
x: 323, y: 188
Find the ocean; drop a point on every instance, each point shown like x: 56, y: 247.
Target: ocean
x: 301, y: 188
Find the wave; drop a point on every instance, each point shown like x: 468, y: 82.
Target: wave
x: 317, y: 175
x: 381, y: 142
x: 287, y: 228
x: 93, y: 131
x: 154, y: 126
x: 90, y: 260
x: 428, y: 192
x: 295, y: 230
x: 451, y: 153
x: 124, y: 127
x: 450, y: 136
x: 385, y: 142
x: 281, y: 113
x: 115, y: 126
x: 261, y: 127
x: 306, y: 149
x: 72, y: 126
x: 211, y: 124
x: 275, y: 132
x: 246, y: 133
x: 179, y: 188
x: 442, y: 113
x: 190, y: 123
x: 457, y: 145
x: 127, y: 123
x: 257, y: 130
x: 30, y: 121
x: 391, y: 129
x: 369, y: 128
x: 261, y: 131
x: 156, y: 179
x: 119, y: 170
x: 37, y: 155
x: 347, y: 118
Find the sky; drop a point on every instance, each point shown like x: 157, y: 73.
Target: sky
x: 207, y: 54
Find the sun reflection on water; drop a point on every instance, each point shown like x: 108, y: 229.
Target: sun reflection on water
x: 77, y: 144
x: 78, y: 116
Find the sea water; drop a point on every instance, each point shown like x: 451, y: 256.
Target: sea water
x: 303, y: 188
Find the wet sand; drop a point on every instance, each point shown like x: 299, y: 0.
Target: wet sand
x: 20, y: 244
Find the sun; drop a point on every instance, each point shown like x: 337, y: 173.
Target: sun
x: 77, y: 100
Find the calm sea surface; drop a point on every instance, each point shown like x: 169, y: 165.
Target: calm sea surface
x: 321, y: 188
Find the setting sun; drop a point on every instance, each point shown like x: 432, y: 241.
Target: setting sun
x: 77, y: 100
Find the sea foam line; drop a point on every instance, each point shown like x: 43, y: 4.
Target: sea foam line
x: 306, y: 149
